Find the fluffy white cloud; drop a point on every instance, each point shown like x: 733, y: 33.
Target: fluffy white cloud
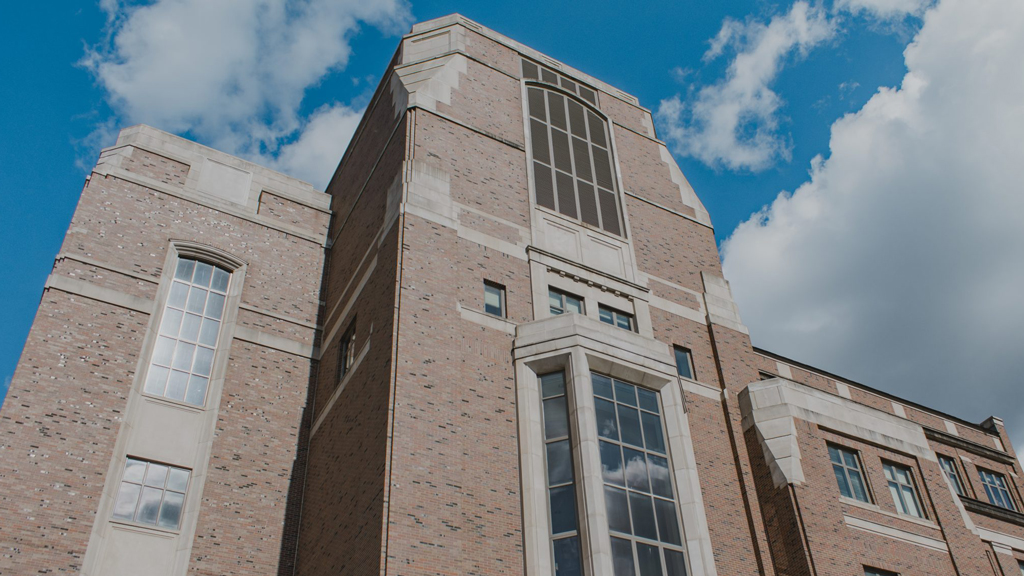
x: 884, y: 9
x: 232, y: 72
x: 900, y: 262
x: 316, y: 153
x: 734, y: 122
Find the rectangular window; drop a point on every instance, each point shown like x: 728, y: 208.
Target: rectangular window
x: 996, y: 489
x: 347, y: 352
x: 616, y: 318
x: 561, y: 482
x: 639, y: 495
x: 684, y: 362
x: 1020, y: 566
x: 562, y: 302
x: 901, y: 487
x: 949, y: 468
x: 151, y: 494
x: 494, y: 299
x: 878, y: 572
x: 846, y: 466
x: 183, y: 356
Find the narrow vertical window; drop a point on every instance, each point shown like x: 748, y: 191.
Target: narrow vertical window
x: 996, y: 489
x: 616, y: 318
x: 151, y: 494
x: 684, y: 362
x: 494, y: 299
x: 560, y: 476
x: 562, y: 302
x: 902, y: 489
x: 189, y: 329
x: 949, y: 468
x: 640, y: 499
x: 846, y: 466
x: 347, y: 351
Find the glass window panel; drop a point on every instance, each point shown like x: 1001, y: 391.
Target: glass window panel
x: 156, y: 379
x: 567, y: 84
x: 596, y: 129
x: 653, y: 436
x: 552, y: 384
x: 602, y: 168
x: 196, y: 300
x: 834, y: 456
x: 183, y: 356
x: 556, y: 107
x: 492, y: 300
x: 675, y: 563
x: 642, y: 513
x: 577, y: 123
x: 625, y: 393
x: 618, y: 510
x: 850, y: 459
x: 171, y: 322
x: 177, y: 384
x: 134, y: 471
x: 208, y: 333
x: 624, y: 321
x: 204, y: 361
x: 559, y: 463
x: 567, y: 557
x: 683, y: 363
x: 529, y: 70
x: 149, y: 506
x: 668, y: 526
x: 611, y: 464
x: 844, y: 486
x: 602, y: 386
x: 127, y: 499
x: 609, y: 211
x: 573, y: 304
x: 204, y: 272
x: 605, y: 412
x: 588, y: 204
x: 190, y: 327
x: 581, y: 157
x: 220, y: 280
x: 178, y: 295
x: 860, y: 491
x: 535, y: 97
x: 563, y: 509
x: 196, y: 393
x: 177, y: 479
x: 636, y: 470
x: 215, y: 305
x: 556, y: 424
x: 163, y: 351
x: 622, y: 557
x: 629, y: 422
x: 184, y: 270
x: 895, y: 492
x: 542, y: 184
x: 887, y: 469
x: 156, y: 475
x: 539, y: 141
x: 170, y: 511
x: 566, y: 194
x: 910, y: 500
x: 548, y: 76
x: 605, y: 315
x: 648, y: 399
x: 649, y: 559
x: 661, y: 482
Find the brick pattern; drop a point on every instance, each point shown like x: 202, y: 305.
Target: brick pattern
x: 157, y: 167
x: 293, y: 213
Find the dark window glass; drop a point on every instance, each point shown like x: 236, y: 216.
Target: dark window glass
x: 562, y: 302
x: 901, y: 486
x: 567, y: 557
x: 996, y: 489
x: 846, y: 467
x: 622, y: 557
x: 151, y: 493
x: 560, y: 477
x: 684, y: 362
x: 616, y: 318
x: 949, y: 468
x: 494, y: 299
x: 649, y: 560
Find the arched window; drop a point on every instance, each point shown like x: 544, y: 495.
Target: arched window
x: 572, y: 162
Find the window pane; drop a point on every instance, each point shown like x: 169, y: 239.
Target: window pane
x: 492, y: 300
x: 177, y: 480
x: 857, y: 484
x: 178, y: 295
x: 163, y: 351
x: 618, y: 510
x: 629, y: 420
x: 661, y: 484
x: 556, y: 107
x: 177, y: 384
x: 559, y: 463
x: 683, y: 363
x: 596, y: 129
x: 636, y: 470
x: 624, y: 321
x: 625, y: 393
x: 887, y: 469
x: 190, y: 327
x: 552, y: 384
x: 150, y: 506
x: 605, y: 315
x: 566, y: 194
x: 156, y: 475
x: 567, y: 557
x: 611, y: 464
x: 536, y: 103
x: 204, y: 361
x: 170, y: 511
x: 576, y: 122
x: 649, y: 560
x: 648, y: 399
x: 184, y: 270
x: 543, y: 186
x: 910, y: 499
x: 555, y: 302
x: 844, y: 486
x: 573, y: 304
x: 183, y: 356
x: 171, y: 322
x: 668, y: 526
x: 850, y: 459
x: 642, y: 513
x: 208, y: 334
x: 605, y: 412
x: 675, y: 563
x: 127, y: 498
x: 602, y: 386
x: 563, y: 510
x: 895, y: 492
x: 204, y: 272
x: 220, y: 280
x: 556, y: 424
x: 653, y: 435
x: 622, y: 557
x: 196, y: 393
x: 196, y: 300
x: 215, y: 305
x: 134, y: 471
x: 156, y: 379
x: 833, y: 455
x: 560, y: 151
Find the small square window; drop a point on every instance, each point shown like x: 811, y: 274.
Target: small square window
x: 494, y: 299
x: 616, y: 318
x: 949, y: 468
x: 996, y: 489
x: 562, y: 302
x: 347, y: 351
x: 847, y: 469
x: 151, y: 494
x: 901, y: 486
x: 684, y: 362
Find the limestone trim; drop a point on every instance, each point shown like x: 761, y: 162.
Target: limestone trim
x: 348, y: 304
x: 110, y: 267
x: 925, y: 522
x: 89, y: 290
x: 279, y: 316
x: 279, y: 343
x: 706, y: 222
x: 968, y: 446
x: 484, y: 319
x: 720, y: 306
x: 895, y: 533
x: 994, y: 537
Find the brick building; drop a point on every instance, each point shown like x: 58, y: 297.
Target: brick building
x: 499, y: 343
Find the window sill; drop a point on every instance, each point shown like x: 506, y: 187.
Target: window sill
x: 992, y: 511
x: 146, y: 528
x: 173, y: 403
x: 878, y: 509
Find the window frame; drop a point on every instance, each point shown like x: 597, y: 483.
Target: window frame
x: 953, y: 474
x: 1004, y: 488
x: 346, y: 351
x: 616, y: 314
x: 163, y: 493
x: 676, y: 350
x: 868, y: 497
x: 872, y: 571
x: 500, y: 290
x: 563, y: 299
x: 899, y: 499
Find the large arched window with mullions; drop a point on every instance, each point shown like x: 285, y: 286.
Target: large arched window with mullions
x: 572, y: 159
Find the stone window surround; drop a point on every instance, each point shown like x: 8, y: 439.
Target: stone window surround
x: 591, y: 350
x: 135, y: 441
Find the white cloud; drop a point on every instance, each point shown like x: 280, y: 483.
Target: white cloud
x: 900, y: 262
x: 734, y: 122
x: 316, y: 153
x: 884, y: 9
x: 232, y: 73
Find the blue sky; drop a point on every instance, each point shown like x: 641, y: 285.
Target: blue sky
x: 860, y: 158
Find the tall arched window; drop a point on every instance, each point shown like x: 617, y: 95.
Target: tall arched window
x: 572, y: 161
